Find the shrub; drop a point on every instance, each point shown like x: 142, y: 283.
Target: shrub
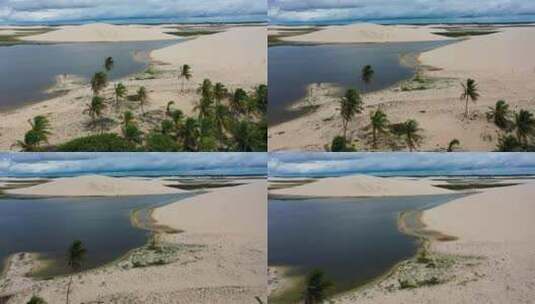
x: 36, y: 300
x: 157, y: 142
x: 106, y: 142
x: 339, y: 144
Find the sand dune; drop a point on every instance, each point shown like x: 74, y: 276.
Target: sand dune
x: 221, y: 212
x: 360, y: 186
x: 236, y: 54
x: 497, y: 215
x: 367, y: 33
x: 101, y: 32
x: 509, y: 51
x: 95, y: 185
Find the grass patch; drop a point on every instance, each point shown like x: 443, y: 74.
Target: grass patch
x: 276, y: 39
x: 458, y: 34
x: 474, y: 186
x: 187, y: 33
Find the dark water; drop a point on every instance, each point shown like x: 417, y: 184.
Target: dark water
x: 352, y: 240
x: 49, y: 225
x: 291, y: 68
x: 29, y: 69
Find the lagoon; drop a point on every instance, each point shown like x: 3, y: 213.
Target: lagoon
x: 292, y: 67
x: 28, y: 70
x: 49, y: 225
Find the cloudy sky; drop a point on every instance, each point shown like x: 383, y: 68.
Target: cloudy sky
x: 332, y: 10
x: 50, y: 164
x: 43, y: 11
x: 333, y: 164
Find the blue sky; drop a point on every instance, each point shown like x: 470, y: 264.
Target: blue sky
x: 333, y: 164
x: 281, y: 11
x: 51, y: 164
x: 59, y: 11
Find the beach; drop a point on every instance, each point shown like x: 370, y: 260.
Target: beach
x: 499, y: 63
x: 209, y: 261
x: 213, y: 56
x: 487, y: 255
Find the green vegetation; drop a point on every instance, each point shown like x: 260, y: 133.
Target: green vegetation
x: 453, y: 145
x: 189, y: 33
x: 350, y: 105
x: 379, y: 124
x: 518, y: 128
x: 224, y: 120
x: 470, y: 186
x: 465, y: 33
x: 316, y: 287
x: 367, y: 74
x: 500, y: 115
x: 105, y: 142
x: 36, y: 300
x: 75, y: 256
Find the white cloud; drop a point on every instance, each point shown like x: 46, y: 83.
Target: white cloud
x: 12, y: 11
x: 20, y: 164
x: 329, y: 10
x: 310, y: 164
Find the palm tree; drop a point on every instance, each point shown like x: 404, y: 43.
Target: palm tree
x: 168, y: 108
x: 379, y: 124
x: 367, y: 74
x: 316, y: 287
x: 185, y: 74
x: 120, y: 92
x: 238, y: 99
x: 41, y: 126
x: 525, y: 126
x: 204, y: 107
x: 220, y: 92
x: 453, y: 145
x: 108, y: 64
x: 221, y: 115
x: 166, y: 127
x: 75, y: 257
x: 131, y: 133
x: 261, y: 99
x: 470, y: 92
x: 500, y: 114
x: 128, y: 118
x: 411, y: 132
x: 142, y: 97
x: 31, y: 142
x: 243, y: 136
x: 95, y: 108
x: 206, y: 89
x: 190, y: 134
x: 176, y: 117
x: 99, y: 82
x: 350, y: 105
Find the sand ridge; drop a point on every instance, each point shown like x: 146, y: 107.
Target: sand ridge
x: 102, y: 32
x: 367, y: 33
x: 360, y: 186
x: 95, y: 185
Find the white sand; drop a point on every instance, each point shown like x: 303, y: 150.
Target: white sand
x: 367, y: 33
x: 95, y: 185
x: 229, y: 267
x: 360, y: 186
x: 502, y: 64
x: 497, y: 226
x: 220, y: 212
x: 236, y: 54
x: 102, y: 32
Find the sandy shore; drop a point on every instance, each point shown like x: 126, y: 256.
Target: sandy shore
x: 491, y: 260
x: 235, y: 56
x: 359, y: 186
x: 95, y: 185
x: 500, y: 63
x: 218, y: 262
